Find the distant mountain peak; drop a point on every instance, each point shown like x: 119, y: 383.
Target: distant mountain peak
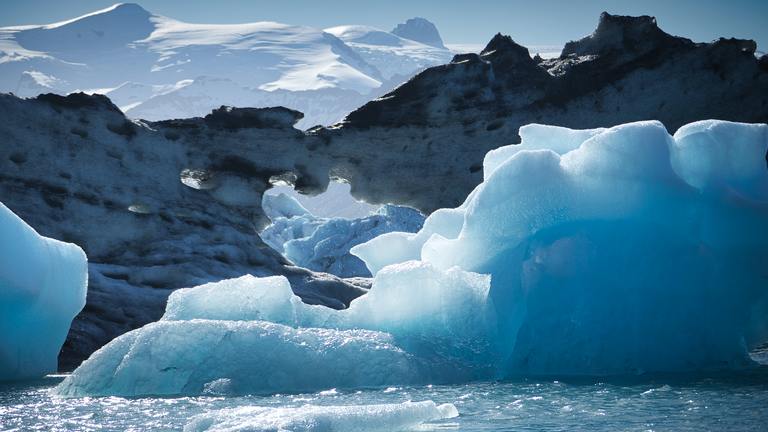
x: 419, y: 30
x: 118, y: 11
x: 126, y: 7
x: 105, y: 30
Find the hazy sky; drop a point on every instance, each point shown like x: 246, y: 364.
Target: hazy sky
x: 540, y: 22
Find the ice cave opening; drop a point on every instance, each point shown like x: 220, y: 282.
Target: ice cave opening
x: 317, y: 232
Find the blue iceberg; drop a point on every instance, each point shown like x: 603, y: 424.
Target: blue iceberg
x: 42, y: 288
x: 613, y: 251
x: 618, y: 251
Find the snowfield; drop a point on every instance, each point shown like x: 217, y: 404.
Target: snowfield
x: 156, y: 68
x: 392, y: 55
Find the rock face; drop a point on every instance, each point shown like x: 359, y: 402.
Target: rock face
x: 163, y: 205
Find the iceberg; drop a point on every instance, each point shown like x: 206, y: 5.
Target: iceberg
x: 284, y: 229
x: 323, y: 244
x: 238, y: 357
x: 608, y: 252
x: 613, y: 251
x: 42, y: 288
x: 253, y: 335
x: 312, y: 418
x: 282, y: 206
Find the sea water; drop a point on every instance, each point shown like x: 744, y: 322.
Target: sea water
x: 735, y: 402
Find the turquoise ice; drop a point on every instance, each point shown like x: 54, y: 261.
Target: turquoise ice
x: 42, y: 288
x: 607, y: 252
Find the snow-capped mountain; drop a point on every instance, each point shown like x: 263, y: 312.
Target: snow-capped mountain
x: 157, y: 67
x: 391, y: 54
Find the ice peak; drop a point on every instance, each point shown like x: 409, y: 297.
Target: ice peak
x: 419, y: 30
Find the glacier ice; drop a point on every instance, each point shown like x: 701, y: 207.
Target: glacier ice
x: 259, y: 337
x: 284, y: 229
x: 282, y: 205
x: 42, y: 288
x: 327, y: 248
x: 246, y: 298
x: 190, y: 357
x: 615, y: 251
x: 395, y: 247
x: 623, y: 251
x: 443, y: 297
x: 323, y: 244
x: 336, y: 201
x: 313, y: 418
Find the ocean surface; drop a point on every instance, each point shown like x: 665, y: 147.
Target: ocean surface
x: 734, y: 402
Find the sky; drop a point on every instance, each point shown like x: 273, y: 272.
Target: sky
x: 541, y: 22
